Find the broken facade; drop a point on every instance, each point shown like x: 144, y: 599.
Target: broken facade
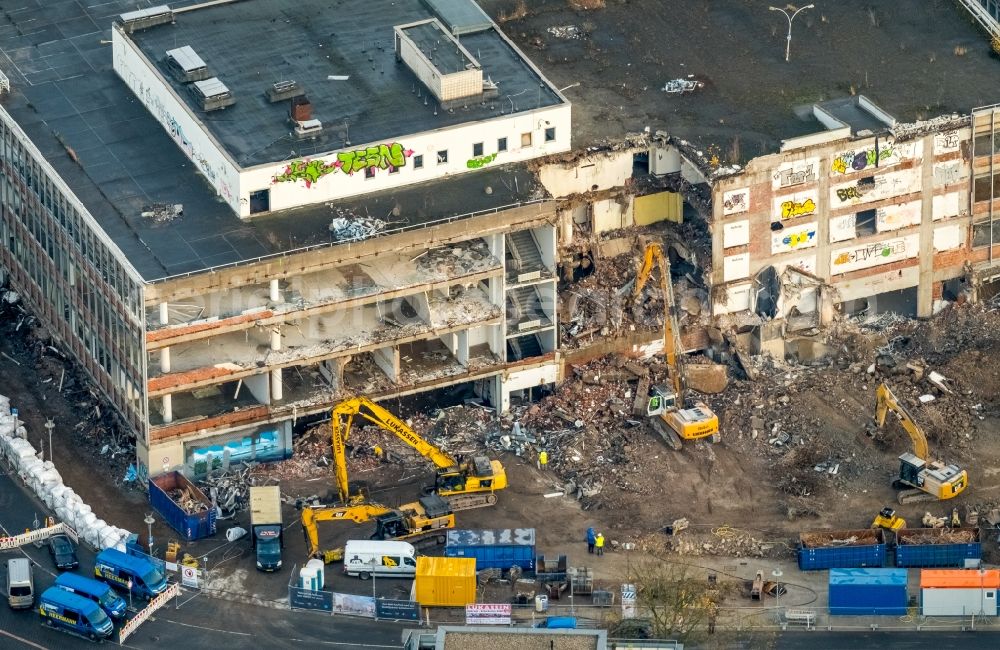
x: 866, y: 211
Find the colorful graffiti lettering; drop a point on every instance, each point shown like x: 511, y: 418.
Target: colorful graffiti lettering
x: 383, y: 156
x: 792, y: 209
x: 795, y: 239
x: 882, y: 249
x: 309, y: 171
x: 860, y: 160
x: 849, y: 193
x: 482, y: 161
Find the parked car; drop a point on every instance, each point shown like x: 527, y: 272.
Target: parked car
x: 63, y: 552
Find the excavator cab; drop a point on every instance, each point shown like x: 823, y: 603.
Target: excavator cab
x: 888, y: 520
x: 661, y: 400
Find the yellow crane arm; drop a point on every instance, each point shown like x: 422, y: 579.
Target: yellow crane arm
x: 886, y: 401
x: 377, y: 415
x: 671, y: 330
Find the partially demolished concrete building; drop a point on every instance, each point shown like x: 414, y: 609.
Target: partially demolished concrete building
x: 230, y: 240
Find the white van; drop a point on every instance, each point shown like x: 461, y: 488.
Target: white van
x: 20, y: 584
x: 364, y: 557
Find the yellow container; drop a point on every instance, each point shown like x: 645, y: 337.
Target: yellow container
x: 445, y: 581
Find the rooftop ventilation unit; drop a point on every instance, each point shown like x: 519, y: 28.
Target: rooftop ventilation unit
x: 308, y: 129
x: 448, y: 70
x: 185, y: 65
x: 134, y: 21
x: 212, y: 94
x: 283, y: 90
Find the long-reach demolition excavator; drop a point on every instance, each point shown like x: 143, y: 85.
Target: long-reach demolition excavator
x: 920, y: 477
x: 674, y: 417
x: 458, y: 486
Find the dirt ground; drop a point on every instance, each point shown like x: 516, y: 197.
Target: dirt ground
x: 614, y: 62
x: 746, y: 496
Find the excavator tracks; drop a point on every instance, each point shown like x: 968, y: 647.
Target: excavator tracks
x: 669, y: 435
x: 461, y: 502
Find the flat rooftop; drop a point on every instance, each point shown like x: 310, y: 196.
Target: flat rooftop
x: 65, y: 94
x: 253, y: 44
x: 916, y: 59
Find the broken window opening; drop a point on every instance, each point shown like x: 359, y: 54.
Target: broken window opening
x: 864, y: 223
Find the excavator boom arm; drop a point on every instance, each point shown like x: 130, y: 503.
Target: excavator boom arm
x: 377, y: 415
x: 886, y: 401
x: 654, y: 256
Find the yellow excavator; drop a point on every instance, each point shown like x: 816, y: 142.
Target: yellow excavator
x: 410, y: 521
x: 673, y: 417
x: 920, y: 477
x: 471, y: 483
x: 887, y: 519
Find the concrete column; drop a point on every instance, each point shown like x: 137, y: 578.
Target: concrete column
x: 275, y: 291
x: 387, y: 359
x: 164, y: 313
x: 925, y: 288
x: 823, y: 246
x: 276, y: 338
x: 277, y: 389
x: 462, y: 348
x: 165, y: 359
x: 168, y: 409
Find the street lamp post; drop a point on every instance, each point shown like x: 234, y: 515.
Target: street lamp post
x: 788, y: 39
x: 49, y: 426
x: 777, y: 591
x: 149, y: 521
x: 374, y: 597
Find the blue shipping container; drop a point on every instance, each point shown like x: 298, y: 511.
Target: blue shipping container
x: 865, y: 592
x: 494, y: 549
x: 937, y: 555
x: 813, y: 559
x: 190, y: 526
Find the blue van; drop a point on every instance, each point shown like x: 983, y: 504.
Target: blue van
x: 75, y: 614
x: 120, y: 569
x: 99, y: 592
x: 559, y: 623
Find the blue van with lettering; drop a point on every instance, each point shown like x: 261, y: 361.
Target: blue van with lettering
x: 97, y: 591
x: 74, y: 614
x: 120, y: 570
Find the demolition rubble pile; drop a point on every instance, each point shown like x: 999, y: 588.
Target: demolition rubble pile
x: 724, y: 541
x: 600, y: 304
x: 187, y: 501
x: 46, y: 482
x: 813, y: 419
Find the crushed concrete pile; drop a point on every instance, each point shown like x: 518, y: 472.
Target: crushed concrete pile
x: 597, y: 300
x: 728, y: 542
x: 465, y: 257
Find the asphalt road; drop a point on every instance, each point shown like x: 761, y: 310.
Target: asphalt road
x: 885, y: 639
x: 200, y: 623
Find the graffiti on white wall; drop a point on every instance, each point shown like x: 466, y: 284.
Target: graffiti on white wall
x: 788, y: 239
x: 736, y: 201
x: 865, y: 256
x: 736, y: 267
x: 792, y: 206
x: 882, y: 152
x: 946, y: 142
x: 878, y: 188
x: 945, y: 206
x: 736, y: 233
x: 894, y: 217
x: 384, y: 156
x: 949, y: 173
x: 843, y: 228
x: 796, y: 173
